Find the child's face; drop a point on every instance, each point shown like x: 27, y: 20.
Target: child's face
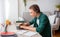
x: 32, y: 13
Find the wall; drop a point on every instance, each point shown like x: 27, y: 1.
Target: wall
x: 45, y: 5
x: 11, y: 10
x: 21, y: 8
x: 2, y: 12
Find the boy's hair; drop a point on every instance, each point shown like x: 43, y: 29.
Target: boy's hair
x: 35, y: 8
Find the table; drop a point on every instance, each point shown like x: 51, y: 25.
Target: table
x: 22, y: 33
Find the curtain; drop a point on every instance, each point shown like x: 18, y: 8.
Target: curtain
x: 2, y: 15
x: 2, y: 12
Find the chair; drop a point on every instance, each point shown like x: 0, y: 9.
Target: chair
x: 54, y: 21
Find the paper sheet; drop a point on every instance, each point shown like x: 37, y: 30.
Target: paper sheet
x: 30, y: 33
x: 21, y: 31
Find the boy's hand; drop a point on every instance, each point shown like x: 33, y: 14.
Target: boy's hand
x: 28, y: 28
x: 26, y: 24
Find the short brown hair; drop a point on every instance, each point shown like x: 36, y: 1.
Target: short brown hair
x: 35, y: 8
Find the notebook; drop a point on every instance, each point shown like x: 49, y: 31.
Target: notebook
x: 30, y: 33
x: 21, y: 31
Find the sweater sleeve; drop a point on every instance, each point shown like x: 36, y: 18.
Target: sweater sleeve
x: 31, y: 22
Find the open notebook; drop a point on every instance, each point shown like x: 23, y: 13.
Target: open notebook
x: 21, y: 31
x: 32, y: 34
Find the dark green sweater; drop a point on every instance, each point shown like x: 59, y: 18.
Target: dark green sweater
x: 44, y: 26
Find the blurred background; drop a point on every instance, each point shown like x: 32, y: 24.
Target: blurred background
x: 17, y: 10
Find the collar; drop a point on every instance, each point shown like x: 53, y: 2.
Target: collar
x: 39, y: 16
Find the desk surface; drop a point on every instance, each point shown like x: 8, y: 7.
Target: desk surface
x: 22, y: 33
